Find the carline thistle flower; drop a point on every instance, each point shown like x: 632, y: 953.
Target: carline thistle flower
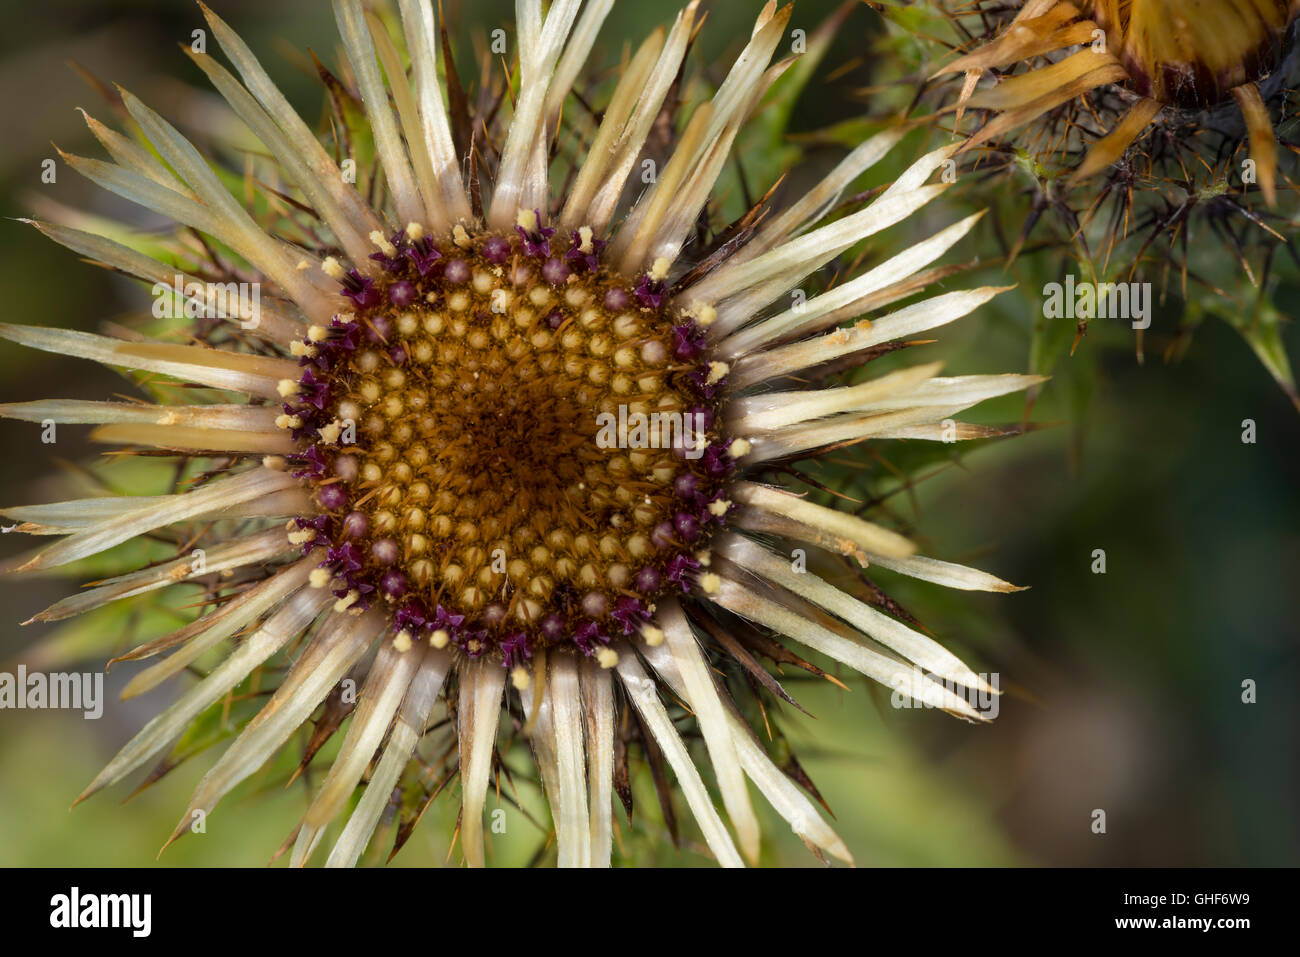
x: 1141, y: 91
x: 1167, y: 54
x: 1155, y: 133
x: 423, y: 391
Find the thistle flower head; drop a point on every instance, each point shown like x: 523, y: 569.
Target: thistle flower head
x: 1165, y: 57
x: 1151, y: 131
x: 1194, y: 56
x: 501, y: 442
x: 488, y: 499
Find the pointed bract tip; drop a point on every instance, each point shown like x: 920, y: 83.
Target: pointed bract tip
x: 181, y: 828
x: 32, y: 564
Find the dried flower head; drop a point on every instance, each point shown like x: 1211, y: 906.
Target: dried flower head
x: 1163, y: 61
x: 525, y: 428
x: 1147, y: 127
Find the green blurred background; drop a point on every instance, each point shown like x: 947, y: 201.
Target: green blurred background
x: 1123, y: 690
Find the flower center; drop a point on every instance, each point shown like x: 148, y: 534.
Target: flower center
x: 1192, y: 54
x: 513, y: 448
